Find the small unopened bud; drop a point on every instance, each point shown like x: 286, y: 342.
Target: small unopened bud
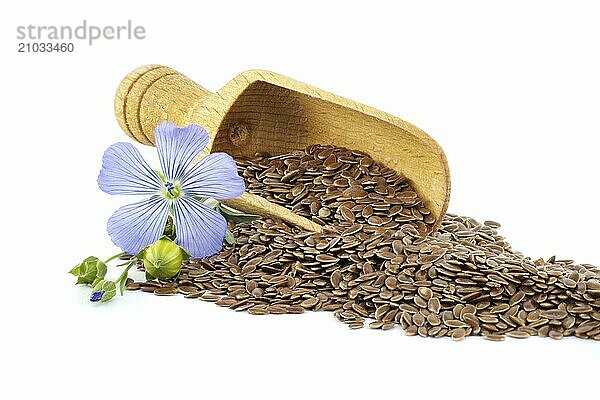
x: 90, y: 270
x: 103, y: 291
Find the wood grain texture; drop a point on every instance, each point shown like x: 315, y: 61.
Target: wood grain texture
x: 261, y: 111
x: 254, y: 204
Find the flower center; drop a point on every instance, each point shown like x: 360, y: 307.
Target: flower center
x: 172, y: 190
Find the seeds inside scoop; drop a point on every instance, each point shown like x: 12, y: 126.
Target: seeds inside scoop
x: 376, y: 261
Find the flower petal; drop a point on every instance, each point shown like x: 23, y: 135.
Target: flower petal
x: 178, y: 147
x: 200, y: 229
x: 135, y: 226
x: 124, y: 171
x: 214, y: 176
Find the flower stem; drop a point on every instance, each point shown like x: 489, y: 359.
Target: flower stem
x: 115, y: 256
x: 125, y: 272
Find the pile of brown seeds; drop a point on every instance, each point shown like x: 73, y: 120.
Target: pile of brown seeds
x: 463, y: 280
x: 336, y: 186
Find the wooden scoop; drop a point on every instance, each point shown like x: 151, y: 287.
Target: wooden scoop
x: 261, y: 111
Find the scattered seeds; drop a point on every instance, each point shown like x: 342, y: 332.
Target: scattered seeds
x: 377, y: 260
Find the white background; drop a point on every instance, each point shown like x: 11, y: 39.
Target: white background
x: 510, y: 91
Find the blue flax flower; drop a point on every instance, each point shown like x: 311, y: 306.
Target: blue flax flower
x: 199, y: 228
x: 97, y: 296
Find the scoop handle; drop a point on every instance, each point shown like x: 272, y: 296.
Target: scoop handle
x: 151, y: 94
x: 154, y: 93
x: 253, y: 204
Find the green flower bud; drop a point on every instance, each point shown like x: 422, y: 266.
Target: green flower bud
x: 89, y: 271
x: 103, y: 291
x: 163, y: 258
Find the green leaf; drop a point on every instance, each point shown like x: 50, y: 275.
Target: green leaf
x: 170, y: 231
x: 75, y: 270
x: 125, y: 263
x: 236, y: 216
x: 140, y: 255
x: 229, y: 238
x: 122, y: 285
x: 122, y: 279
